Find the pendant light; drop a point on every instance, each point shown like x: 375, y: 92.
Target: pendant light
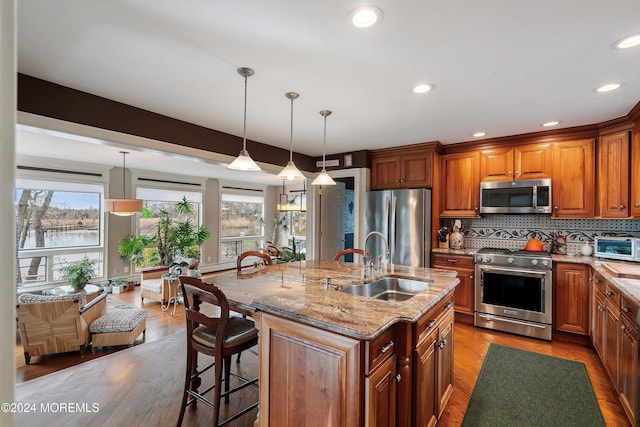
x: 244, y: 162
x: 323, y: 178
x: 124, y: 206
x: 291, y: 172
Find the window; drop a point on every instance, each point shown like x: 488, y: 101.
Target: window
x: 240, y: 226
x: 159, y: 202
x: 56, y: 223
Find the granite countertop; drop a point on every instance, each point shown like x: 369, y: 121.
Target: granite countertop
x: 296, y: 291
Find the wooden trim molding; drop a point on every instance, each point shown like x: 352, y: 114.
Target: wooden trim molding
x: 49, y: 99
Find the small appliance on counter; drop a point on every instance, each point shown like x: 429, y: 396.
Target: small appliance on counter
x: 620, y: 248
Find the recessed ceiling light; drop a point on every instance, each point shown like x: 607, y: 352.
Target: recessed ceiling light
x: 608, y: 87
x: 479, y: 134
x: 627, y: 42
x: 365, y: 16
x: 423, y: 88
x: 551, y: 123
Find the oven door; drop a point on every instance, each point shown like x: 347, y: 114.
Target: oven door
x: 513, y: 292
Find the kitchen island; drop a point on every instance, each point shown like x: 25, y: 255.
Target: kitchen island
x: 331, y: 358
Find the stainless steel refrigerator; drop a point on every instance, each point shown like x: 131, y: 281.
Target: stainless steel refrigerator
x: 404, y: 217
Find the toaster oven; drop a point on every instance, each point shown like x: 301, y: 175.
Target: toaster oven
x: 620, y: 248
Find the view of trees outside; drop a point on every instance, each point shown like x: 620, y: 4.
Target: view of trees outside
x: 47, y: 219
x: 240, y: 227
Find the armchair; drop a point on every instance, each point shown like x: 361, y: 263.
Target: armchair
x: 52, y: 325
x: 154, y: 287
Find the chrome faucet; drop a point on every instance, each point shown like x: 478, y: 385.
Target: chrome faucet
x: 368, y: 263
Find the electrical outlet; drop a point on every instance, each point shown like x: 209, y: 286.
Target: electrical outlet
x: 126, y: 269
x: 208, y: 259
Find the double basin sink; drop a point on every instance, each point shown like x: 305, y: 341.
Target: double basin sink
x: 389, y: 288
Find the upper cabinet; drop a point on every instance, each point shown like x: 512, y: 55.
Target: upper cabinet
x: 573, y: 178
x: 613, y: 175
x: 460, y: 184
x: 516, y: 163
x: 635, y: 173
x: 403, y: 168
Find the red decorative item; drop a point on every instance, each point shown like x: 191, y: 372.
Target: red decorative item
x: 534, y: 245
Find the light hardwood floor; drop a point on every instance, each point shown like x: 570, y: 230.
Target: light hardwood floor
x: 156, y: 400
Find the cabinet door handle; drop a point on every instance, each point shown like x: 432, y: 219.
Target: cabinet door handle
x: 555, y: 207
x: 621, y: 207
x: 442, y: 344
x: 637, y: 205
x: 601, y: 309
x: 609, y: 293
x: 625, y: 309
x: 448, y: 306
x: 398, y: 378
x: 431, y: 324
x: 622, y: 327
x: 596, y: 280
x: 453, y: 261
x: 471, y: 277
x: 388, y: 346
x: 509, y: 173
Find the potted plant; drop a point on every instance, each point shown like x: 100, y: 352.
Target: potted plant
x: 79, y: 273
x: 174, y: 241
x: 106, y: 286
x: 118, y: 285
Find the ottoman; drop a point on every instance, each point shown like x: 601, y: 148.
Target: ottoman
x: 118, y: 327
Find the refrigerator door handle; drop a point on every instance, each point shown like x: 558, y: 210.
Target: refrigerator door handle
x: 391, y: 237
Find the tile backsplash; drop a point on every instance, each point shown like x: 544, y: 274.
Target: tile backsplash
x: 513, y: 231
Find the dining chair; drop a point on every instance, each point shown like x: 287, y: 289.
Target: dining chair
x: 220, y: 337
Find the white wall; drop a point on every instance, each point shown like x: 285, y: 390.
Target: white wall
x: 8, y: 229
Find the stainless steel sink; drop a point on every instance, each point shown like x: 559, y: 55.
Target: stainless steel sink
x: 388, y: 288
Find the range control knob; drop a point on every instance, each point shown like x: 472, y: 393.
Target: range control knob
x: 534, y: 262
x: 510, y: 260
x: 479, y: 258
x: 487, y: 259
x: 545, y: 262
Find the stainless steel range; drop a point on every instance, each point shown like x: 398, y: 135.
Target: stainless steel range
x: 513, y: 292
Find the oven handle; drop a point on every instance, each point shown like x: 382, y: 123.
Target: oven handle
x: 539, y: 274
x: 502, y: 319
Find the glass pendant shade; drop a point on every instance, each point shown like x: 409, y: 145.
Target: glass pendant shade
x: 123, y: 207
x: 323, y: 178
x: 244, y: 162
x: 290, y: 171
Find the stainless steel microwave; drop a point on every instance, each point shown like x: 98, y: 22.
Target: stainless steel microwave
x: 516, y: 197
x: 620, y: 248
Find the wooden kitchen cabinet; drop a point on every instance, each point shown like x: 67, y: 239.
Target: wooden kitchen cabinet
x: 573, y: 182
x: 628, y: 363
x: 328, y: 375
x: 460, y: 184
x: 433, y: 363
x: 571, y: 297
x: 598, y: 321
x: 425, y: 412
x: 464, y: 266
x: 380, y: 395
x: 444, y: 362
x: 403, y: 168
x: 516, y: 163
x: 635, y: 173
x: 406, y: 371
x: 613, y: 175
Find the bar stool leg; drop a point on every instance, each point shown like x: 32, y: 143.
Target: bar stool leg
x: 227, y: 377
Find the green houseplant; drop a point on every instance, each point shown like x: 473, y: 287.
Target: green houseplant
x: 79, y: 273
x: 174, y: 241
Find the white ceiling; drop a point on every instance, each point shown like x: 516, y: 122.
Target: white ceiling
x: 499, y: 66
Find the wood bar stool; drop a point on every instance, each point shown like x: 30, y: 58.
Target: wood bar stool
x: 263, y: 258
x: 348, y: 251
x: 220, y: 337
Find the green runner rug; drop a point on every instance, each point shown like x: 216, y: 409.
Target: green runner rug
x: 520, y: 388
